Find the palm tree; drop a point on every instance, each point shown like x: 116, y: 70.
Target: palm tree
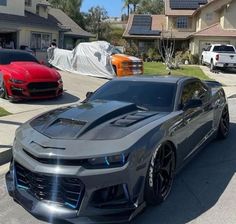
x: 127, y: 5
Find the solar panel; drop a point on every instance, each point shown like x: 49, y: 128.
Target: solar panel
x: 142, y: 25
x: 187, y: 4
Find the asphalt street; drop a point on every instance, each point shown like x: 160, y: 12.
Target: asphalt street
x: 204, y: 192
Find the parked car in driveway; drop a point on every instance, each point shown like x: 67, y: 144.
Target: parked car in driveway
x: 23, y: 77
x: 116, y: 152
x: 219, y: 56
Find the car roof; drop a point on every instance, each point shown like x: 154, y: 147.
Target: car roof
x: 156, y: 78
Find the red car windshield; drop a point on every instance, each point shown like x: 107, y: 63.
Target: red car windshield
x: 6, y: 57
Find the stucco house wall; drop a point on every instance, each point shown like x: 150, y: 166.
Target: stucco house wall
x: 14, y: 7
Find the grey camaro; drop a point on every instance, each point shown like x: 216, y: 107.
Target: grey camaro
x: 107, y: 158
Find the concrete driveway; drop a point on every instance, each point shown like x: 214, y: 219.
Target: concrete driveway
x: 203, y: 193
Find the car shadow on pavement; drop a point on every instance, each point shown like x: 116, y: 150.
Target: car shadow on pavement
x: 199, y: 186
x: 66, y: 98
x: 6, y: 156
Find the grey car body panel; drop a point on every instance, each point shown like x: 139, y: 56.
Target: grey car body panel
x: 97, y: 132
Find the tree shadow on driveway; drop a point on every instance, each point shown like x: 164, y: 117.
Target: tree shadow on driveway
x: 198, y: 187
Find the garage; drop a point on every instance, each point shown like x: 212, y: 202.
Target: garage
x: 8, y: 38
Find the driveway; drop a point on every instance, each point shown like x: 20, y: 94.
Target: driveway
x: 76, y: 88
x: 204, y: 192
x: 228, y: 79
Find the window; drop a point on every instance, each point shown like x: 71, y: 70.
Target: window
x: 28, y: 3
x: 209, y: 16
x: 157, y: 97
x: 40, y: 41
x: 224, y: 49
x: 3, y: 2
x: 182, y: 22
x: 193, y: 90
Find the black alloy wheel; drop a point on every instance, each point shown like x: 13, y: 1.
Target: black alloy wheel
x: 223, y: 130
x: 160, y: 175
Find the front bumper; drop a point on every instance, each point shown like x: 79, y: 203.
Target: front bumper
x: 86, y: 212
x: 22, y: 91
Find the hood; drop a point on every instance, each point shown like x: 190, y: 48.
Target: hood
x: 124, y: 57
x: 96, y: 120
x: 31, y: 71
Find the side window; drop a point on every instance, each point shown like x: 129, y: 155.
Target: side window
x: 208, y: 48
x: 193, y: 90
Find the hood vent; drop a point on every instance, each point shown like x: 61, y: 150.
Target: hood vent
x: 132, y: 119
x: 64, y: 128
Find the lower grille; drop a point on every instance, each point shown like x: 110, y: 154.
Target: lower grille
x: 65, y: 191
x: 43, y: 88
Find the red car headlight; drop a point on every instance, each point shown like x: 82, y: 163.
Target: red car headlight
x: 17, y: 81
x: 60, y: 81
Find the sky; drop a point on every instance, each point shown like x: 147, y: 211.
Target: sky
x: 113, y: 7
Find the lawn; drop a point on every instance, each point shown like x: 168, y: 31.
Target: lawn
x: 154, y: 68
x: 3, y: 112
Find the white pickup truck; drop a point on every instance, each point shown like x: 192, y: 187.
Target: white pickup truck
x: 219, y: 56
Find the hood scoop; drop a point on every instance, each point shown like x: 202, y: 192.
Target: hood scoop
x: 64, y: 128
x: 133, y: 118
x: 73, y: 122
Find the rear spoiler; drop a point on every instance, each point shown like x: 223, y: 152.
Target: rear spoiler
x: 213, y: 84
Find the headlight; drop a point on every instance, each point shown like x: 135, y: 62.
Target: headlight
x: 17, y: 81
x: 60, y: 81
x: 107, y: 161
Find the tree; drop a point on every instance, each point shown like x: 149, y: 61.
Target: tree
x: 127, y: 5
x: 151, y: 7
x: 71, y: 8
x: 95, y: 20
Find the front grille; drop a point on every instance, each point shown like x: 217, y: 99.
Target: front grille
x: 42, y: 85
x: 65, y: 191
x: 43, y: 88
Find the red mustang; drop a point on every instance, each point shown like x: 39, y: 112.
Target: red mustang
x: 23, y: 77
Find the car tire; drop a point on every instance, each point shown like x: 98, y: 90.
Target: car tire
x: 160, y: 175
x: 202, y: 62
x: 224, y: 125
x: 212, y: 67
x: 3, y: 94
x: 115, y: 69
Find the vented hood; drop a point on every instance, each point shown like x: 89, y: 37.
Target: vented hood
x: 89, y: 119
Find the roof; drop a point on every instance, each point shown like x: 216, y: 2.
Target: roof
x: 157, y: 22
x: 67, y: 23
x: 185, y: 10
x: 210, y: 2
x: 215, y: 30
x: 30, y: 19
x: 154, y: 78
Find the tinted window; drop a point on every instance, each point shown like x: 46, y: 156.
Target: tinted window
x: 224, y: 48
x: 151, y: 95
x: 8, y: 57
x: 193, y: 90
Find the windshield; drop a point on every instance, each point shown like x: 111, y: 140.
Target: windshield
x: 224, y: 49
x: 8, y: 57
x: 148, y: 95
x: 116, y: 51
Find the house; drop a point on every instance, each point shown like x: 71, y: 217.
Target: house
x: 35, y: 24
x: 193, y: 23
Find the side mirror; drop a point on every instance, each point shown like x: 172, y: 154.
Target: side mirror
x: 88, y: 95
x: 191, y: 104
x: 42, y: 62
